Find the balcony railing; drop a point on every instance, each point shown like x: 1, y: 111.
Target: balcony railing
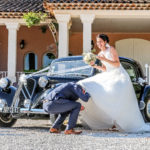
x: 3, y: 74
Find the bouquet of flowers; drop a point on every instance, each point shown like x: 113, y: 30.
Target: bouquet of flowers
x: 89, y: 57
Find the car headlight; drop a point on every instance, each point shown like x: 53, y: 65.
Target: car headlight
x: 142, y: 105
x: 23, y: 79
x: 43, y: 81
x: 5, y: 83
x: 3, y: 103
x: 27, y: 103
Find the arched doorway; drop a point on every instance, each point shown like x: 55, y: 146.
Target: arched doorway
x: 138, y: 49
x: 47, y: 59
x: 30, y: 61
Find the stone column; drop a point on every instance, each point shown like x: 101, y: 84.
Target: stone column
x: 87, y: 20
x: 63, y: 40
x: 12, y: 50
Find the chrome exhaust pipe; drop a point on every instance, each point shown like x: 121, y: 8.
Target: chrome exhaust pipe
x: 32, y: 111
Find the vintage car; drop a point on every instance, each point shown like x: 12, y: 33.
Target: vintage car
x: 25, y: 101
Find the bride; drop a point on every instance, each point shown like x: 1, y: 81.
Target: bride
x: 113, y: 101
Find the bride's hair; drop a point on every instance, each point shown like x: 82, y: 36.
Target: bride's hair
x: 104, y: 37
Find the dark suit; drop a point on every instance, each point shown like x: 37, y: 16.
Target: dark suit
x: 62, y: 101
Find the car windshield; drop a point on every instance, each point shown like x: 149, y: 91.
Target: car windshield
x: 70, y: 68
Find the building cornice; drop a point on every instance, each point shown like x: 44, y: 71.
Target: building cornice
x: 107, y: 14
x: 3, y: 21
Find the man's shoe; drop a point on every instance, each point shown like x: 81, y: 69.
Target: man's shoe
x: 82, y: 108
x: 113, y: 128
x: 71, y: 131
x: 53, y: 130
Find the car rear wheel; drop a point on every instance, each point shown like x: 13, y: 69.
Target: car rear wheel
x: 6, y: 120
x: 147, y: 109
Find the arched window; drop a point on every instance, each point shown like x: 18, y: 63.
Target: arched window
x: 47, y: 59
x: 30, y: 61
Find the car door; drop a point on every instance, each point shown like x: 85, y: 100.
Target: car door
x: 131, y: 70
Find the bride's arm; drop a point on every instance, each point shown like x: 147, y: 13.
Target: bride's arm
x: 115, y: 62
x: 103, y: 68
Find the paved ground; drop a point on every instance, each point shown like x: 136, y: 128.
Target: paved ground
x: 34, y: 135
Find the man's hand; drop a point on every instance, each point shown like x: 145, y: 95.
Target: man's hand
x: 83, y: 91
x: 82, y: 108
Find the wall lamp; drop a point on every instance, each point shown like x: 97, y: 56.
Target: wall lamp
x: 22, y: 44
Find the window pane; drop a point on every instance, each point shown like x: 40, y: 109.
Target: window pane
x: 71, y: 67
x: 47, y: 59
x: 130, y: 70
x: 30, y: 61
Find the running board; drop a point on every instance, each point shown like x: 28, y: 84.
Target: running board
x: 32, y: 111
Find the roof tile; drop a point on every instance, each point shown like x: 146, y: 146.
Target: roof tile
x: 98, y: 1
x: 19, y: 6
x: 16, y: 8
x: 51, y: 5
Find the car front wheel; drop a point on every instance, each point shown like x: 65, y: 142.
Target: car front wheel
x: 6, y: 120
x: 147, y: 109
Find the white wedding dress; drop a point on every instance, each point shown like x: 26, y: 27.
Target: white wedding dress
x: 113, y: 101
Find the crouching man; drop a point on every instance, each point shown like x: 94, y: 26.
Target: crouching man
x: 62, y: 101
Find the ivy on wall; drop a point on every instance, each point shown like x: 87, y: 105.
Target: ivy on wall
x: 33, y: 18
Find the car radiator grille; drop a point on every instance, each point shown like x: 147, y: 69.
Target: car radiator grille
x: 24, y: 92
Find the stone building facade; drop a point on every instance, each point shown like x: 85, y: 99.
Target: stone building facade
x: 126, y: 22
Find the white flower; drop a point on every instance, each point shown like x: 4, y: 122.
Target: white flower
x: 89, y: 57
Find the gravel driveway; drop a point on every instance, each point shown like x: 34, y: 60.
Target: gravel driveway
x: 33, y: 134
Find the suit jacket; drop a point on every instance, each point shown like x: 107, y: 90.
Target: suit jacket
x: 70, y: 91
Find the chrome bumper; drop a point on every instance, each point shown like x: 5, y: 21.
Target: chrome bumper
x: 22, y: 110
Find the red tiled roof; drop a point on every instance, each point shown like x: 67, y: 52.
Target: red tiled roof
x: 51, y: 5
x: 98, y: 1
x: 16, y: 8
